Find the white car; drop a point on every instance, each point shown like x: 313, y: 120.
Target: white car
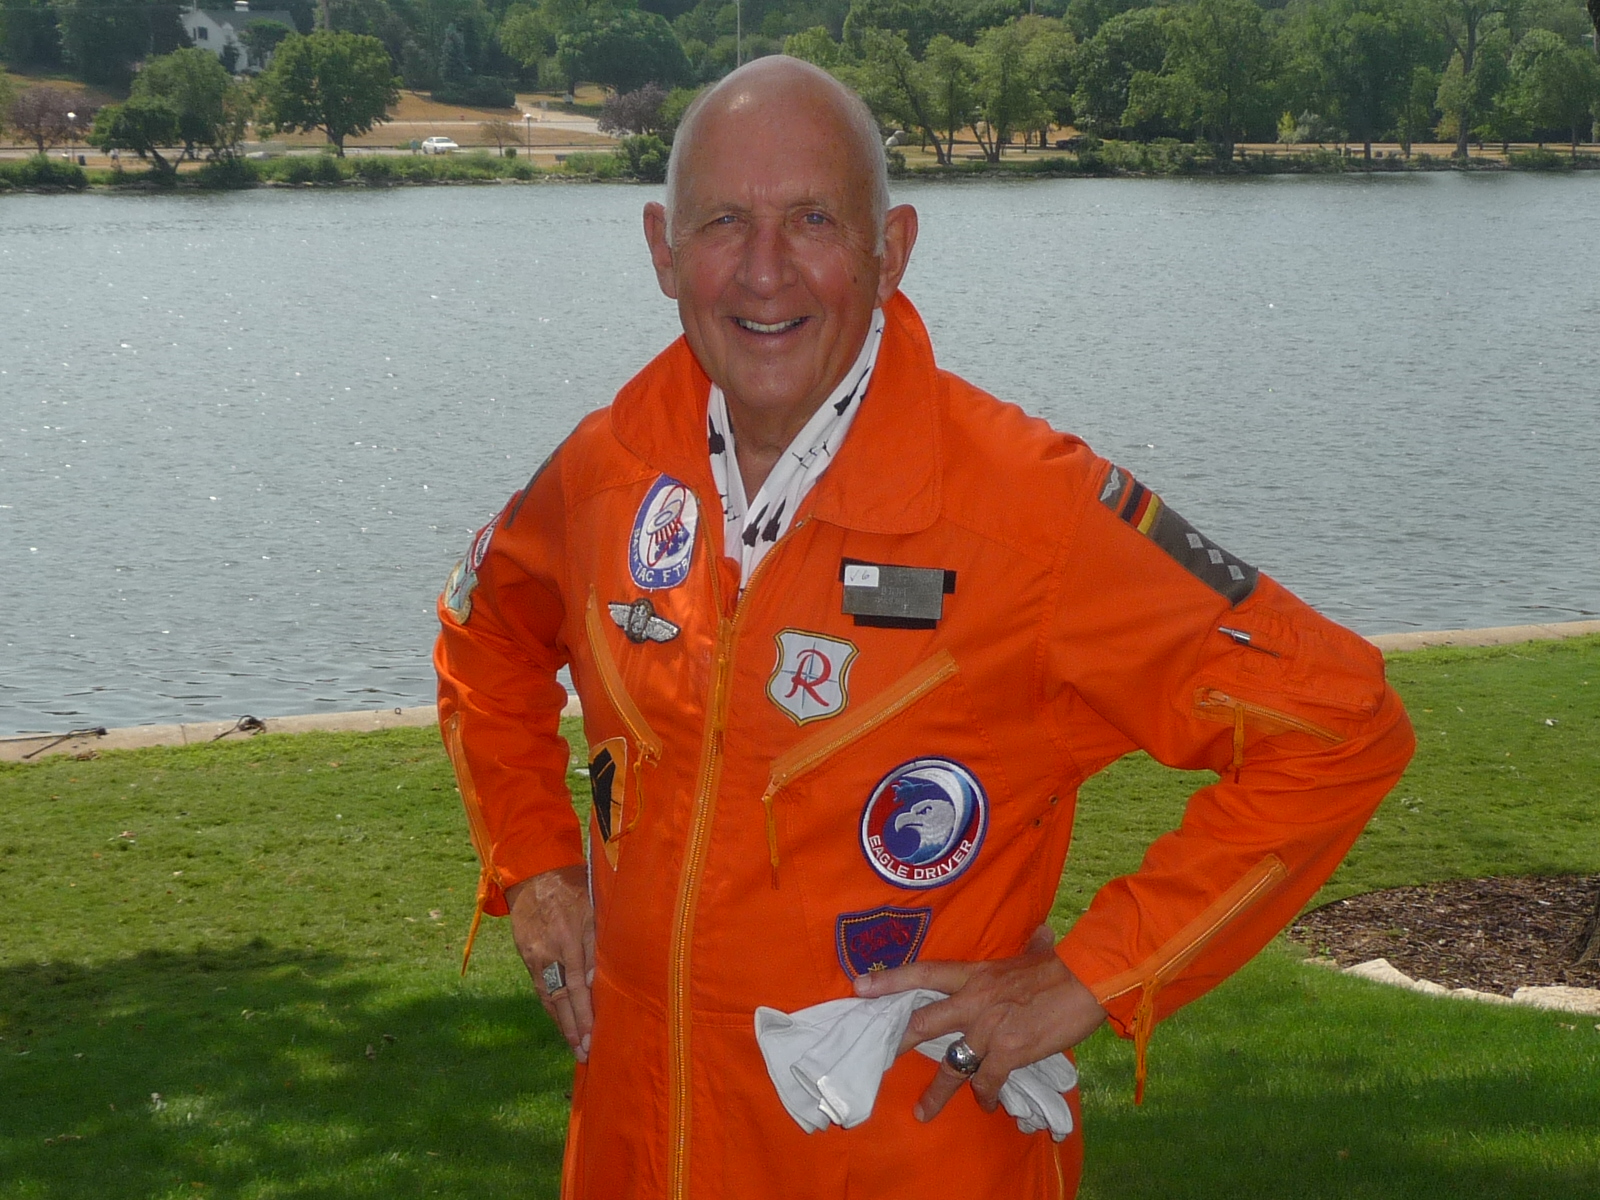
x: 438, y: 145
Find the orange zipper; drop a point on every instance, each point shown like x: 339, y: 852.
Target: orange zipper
x: 1182, y: 949
x: 805, y: 757
x: 477, y: 827
x: 1215, y: 705
x: 611, y: 679
x: 678, y: 1114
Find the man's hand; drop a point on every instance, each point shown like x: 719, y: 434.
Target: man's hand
x: 551, y: 921
x: 1012, y: 1012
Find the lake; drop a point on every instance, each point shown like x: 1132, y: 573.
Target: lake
x: 243, y: 437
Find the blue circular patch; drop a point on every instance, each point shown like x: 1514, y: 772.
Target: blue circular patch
x: 924, y: 823
x: 662, y: 542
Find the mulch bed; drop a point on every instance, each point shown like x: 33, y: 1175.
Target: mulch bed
x: 1495, y: 935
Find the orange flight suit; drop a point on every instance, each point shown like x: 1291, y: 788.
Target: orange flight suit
x: 793, y: 792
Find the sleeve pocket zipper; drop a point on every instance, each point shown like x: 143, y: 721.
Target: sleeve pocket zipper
x: 1182, y: 949
x: 1215, y: 705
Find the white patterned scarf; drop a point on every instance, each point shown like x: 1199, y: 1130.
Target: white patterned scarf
x: 751, y: 528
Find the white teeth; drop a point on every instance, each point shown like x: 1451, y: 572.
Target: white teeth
x: 758, y: 327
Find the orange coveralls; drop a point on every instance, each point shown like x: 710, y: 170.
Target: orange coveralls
x: 792, y: 793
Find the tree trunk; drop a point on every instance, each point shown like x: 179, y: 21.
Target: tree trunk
x: 1589, y: 939
x: 1366, y: 152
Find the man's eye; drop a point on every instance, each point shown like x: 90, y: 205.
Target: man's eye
x: 815, y: 218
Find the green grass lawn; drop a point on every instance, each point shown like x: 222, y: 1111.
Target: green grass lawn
x: 232, y: 970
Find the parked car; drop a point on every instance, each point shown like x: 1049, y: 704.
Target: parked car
x: 438, y: 145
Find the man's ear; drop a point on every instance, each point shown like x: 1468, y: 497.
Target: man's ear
x: 655, y: 236
x: 899, y: 236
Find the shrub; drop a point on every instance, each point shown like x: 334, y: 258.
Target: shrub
x: 644, y: 157
x: 230, y: 172
x: 40, y: 170
x: 601, y: 166
x: 1539, y: 159
x: 375, y: 169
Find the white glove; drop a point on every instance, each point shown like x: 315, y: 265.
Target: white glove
x: 827, y: 1062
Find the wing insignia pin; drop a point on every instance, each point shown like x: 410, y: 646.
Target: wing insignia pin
x: 640, y: 623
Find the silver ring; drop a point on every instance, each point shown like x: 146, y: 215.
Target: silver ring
x: 962, y: 1058
x: 555, y: 979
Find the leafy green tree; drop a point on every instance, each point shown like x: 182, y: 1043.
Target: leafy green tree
x: 144, y: 125
x: 1085, y: 17
x: 1050, y: 55
x: 815, y: 46
x: 1128, y: 44
x: 624, y: 51
x: 1466, y: 99
x: 104, y: 38
x: 30, y: 34
x: 1352, y: 61
x: 341, y: 83
x: 1216, y: 75
x: 1009, y: 96
x: 919, y: 21
x: 949, y: 74
x: 1553, y: 85
x: 528, y: 35
x: 894, y: 85
x: 261, y: 38
x: 211, y: 108
x: 1416, y: 115
x: 1462, y: 24
x: 453, y: 68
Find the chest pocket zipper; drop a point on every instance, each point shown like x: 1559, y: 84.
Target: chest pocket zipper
x: 806, y: 756
x: 644, y: 738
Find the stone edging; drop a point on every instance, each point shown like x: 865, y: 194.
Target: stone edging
x: 1555, y: 998
x: 135, y: 737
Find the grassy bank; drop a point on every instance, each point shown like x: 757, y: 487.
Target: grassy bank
x: 231, y: 970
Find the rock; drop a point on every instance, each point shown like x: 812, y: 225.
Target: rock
x: 1560, y: 999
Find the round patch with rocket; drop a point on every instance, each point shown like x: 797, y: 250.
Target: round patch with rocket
x: 924, y: 823
x: 663, y: 535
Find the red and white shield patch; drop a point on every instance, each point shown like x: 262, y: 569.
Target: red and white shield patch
x: 811, y: 680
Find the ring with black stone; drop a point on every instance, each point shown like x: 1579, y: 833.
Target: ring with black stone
x: 962, y: 1058
x: 555, y: 979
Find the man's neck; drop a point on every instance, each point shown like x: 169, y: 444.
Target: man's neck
x: 759, y: 440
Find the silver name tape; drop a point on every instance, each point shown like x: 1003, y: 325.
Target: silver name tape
x: 895, y: 597
x: 639, y: 621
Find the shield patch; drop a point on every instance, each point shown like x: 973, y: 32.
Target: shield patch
x: 880, y: 940
x: 811, y: 678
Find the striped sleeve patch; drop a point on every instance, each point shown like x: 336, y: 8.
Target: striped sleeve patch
x: 1137, y: 506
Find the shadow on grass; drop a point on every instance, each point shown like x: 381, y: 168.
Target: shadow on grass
x: 259, y: 1071
x: 1293, y: 1082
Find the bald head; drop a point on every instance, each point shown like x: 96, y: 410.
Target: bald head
x: 784, y: 90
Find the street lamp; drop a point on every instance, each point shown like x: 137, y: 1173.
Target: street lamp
x: 527, y: 132
x: 72, y: 134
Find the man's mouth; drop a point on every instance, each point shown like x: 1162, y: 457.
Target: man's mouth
x: 775, y: 327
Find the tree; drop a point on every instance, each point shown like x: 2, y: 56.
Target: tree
x: 1462, y: 24
x: 453, y: 68
x: 144, y: 124
x: 1128, y: 44
x: 1466, y: 97
x: 1009, y: 99
x: 48, y: 116
x: 104, y: 38
x: 30, y: 33
x: 212, y: 109
x: 527, y: 35
x: 1048, y: 58
x: 1553, y: 85
x: 1215, y: 75
x: 499, y: 132
x: 1350, y: 59
x: 949, y: 73
x: 815, y: 46
x: 340, y: 83
x: 638, y: 111
x: 262, y: 38
x: 8, y: 97
x: 894, y: 85
x: 1417, y: 107
x: 623, y: 52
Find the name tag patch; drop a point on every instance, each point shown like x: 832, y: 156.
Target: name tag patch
x: 881, y: 939
x: 887, y: 596
x: 924, y: 823
x: 812, y: 677
x: 662, y: 543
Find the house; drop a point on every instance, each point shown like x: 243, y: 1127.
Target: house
x: 215, y: 29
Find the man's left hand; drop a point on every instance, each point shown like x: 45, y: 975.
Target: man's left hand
x: 1011, y: 1011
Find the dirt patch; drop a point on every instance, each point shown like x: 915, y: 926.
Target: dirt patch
x: 1495, y: 935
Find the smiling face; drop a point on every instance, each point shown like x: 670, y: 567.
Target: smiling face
x: 773, y: 255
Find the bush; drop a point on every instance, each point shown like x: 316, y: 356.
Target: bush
x: 481, y: 91
x: 228, y: 172
x: 510, y: 152
x: 644, y: 157
x: 40, y: 170
x: 601, y: 166
x: 375, y: 169
x: 1539, y: 159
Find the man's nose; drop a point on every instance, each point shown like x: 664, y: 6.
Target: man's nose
x: 766, y: 266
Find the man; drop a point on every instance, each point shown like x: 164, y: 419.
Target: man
x: 849, y: 634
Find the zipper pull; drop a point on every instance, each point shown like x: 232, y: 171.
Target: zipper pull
x: 1144, y: 1024
x: 768, y: 800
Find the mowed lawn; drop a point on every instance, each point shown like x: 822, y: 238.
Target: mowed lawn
x: 231, y: 970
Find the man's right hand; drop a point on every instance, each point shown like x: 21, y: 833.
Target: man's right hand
x: 552, y: 921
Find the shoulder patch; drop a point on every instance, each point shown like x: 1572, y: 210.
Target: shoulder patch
x: 1136, y: 505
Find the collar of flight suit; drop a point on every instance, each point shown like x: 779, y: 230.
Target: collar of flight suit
x: 886, y: 478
